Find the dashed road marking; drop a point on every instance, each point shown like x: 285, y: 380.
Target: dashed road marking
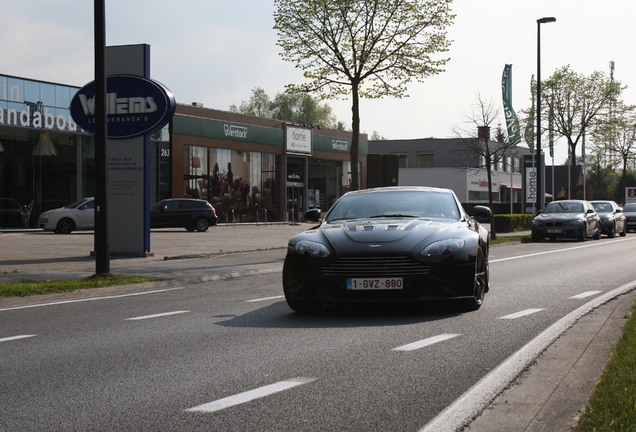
x: 521, y: 314
x: 585, y: 294
x: 250, y: 395
x: 18, y: 337
x: 265, y: 299
x: 156, y: 315
x: 425, y: 342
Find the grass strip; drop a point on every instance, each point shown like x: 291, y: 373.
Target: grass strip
x: 23, y: 288
x: 612, y: 406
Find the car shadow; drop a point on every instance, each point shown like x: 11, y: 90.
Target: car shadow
x: 279, y: 315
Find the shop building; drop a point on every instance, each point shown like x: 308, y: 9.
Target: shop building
x: 251, y: 169
x: 450, y: 163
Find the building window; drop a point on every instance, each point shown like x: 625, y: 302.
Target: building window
x: 425, y: 160
x: 403, y: 160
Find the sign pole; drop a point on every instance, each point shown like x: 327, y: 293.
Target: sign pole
x: 102, y: 248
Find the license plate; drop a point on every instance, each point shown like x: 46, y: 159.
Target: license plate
x: 554, y: 231
x: 375, y: 284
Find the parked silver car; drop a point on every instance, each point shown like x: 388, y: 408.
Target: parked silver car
x: 75, y: 216
x: 613, y: 220
x: 568, y: 218
x: 629, y: 210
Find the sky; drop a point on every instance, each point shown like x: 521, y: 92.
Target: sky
x: 215, y: 52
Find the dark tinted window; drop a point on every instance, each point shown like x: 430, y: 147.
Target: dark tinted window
x: 188, y: 205
x: 171, y: 205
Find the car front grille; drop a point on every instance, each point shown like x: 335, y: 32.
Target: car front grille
x: 375, y: 266
x: 554, y: 224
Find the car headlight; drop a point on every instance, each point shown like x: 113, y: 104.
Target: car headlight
x: 313, y: 248
x: 537, y: 223
x: 444, y: 247
x: 45, y: 215
x: 576, y: 222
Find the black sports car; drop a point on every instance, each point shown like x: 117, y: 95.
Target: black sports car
x: 395, y: 244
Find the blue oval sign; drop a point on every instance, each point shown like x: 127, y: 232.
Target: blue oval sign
x: 134, y: 106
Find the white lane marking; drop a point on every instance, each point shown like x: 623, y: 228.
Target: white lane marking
x: 90, y: 299
x: 250, y: 395
x: 264, y: 299
x: 521, y: 314
x: 12, y: 338
x: 469, y: 405
x: 425, y: 342
x: 595, y: 244
x: 159, y: 315
x: 585, y: 294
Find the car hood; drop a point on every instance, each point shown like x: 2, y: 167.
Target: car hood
x: 386, y: 236
x: 560, y: 216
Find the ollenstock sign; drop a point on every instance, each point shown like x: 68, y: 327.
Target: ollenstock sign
x: 134, y: 106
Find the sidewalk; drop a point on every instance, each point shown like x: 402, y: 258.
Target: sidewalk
x: 549, y: 396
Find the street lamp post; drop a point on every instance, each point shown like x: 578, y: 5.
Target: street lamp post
x: 540, y: 196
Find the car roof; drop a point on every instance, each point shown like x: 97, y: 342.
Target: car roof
x: 401, y: 188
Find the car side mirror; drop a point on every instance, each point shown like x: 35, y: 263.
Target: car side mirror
x: 482, y: 212
x: 589, y: 211
x: 312, y: 215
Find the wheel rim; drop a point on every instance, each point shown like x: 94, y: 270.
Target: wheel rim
x: 481, y: 279
x: 65, y: 226
x: 202, y: 225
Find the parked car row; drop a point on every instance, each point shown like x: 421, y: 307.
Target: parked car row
x: 191, y: 214
x: 581, y: 219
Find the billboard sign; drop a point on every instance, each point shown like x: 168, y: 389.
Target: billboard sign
x: 135, y: 106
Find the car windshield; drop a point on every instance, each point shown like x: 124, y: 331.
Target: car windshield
x: 629, y: 207
x: 564, y: 207
x: 602, y: 207
x: 395, y: 204
x: 75, y: 204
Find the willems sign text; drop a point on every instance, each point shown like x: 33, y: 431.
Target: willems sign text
x: 134, y: 106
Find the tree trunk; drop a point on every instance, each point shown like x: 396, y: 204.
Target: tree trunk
x: 572, y: 169
x: 355, y: 137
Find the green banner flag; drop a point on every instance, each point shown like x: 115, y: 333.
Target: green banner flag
x: 551, y: 132
x: 512, y: 122
x: 529, y: 132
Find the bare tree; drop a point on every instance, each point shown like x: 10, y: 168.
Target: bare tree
x: 476, y: 133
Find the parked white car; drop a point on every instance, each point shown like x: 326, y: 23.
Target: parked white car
x: 79, y: 215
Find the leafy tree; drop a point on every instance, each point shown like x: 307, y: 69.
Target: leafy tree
x: 577, y: 103
x: 362, y: 48
x: 291, y: 107
x: 259, y: 105
x: 376, y: 136
x: 601, y: 180
x: 302, y: 108
x: 616, y: 134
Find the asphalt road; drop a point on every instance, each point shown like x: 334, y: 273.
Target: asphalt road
x: 205, y: 352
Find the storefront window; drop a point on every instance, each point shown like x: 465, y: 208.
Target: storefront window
x: 239, y: 184
x: 322, y: 188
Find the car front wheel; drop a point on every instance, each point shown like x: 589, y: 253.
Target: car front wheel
x: 65, y: 226
x: 480, y: 284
